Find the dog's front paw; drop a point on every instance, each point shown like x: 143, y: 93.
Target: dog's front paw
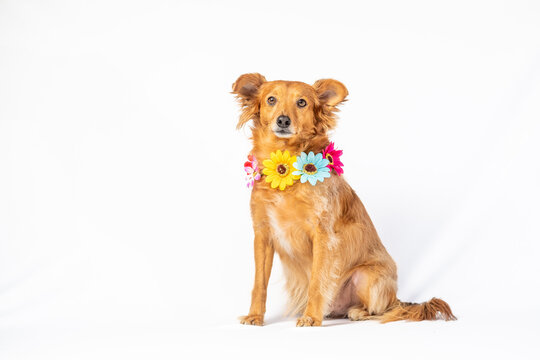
x: 307, y: 321
x: 252, y: 320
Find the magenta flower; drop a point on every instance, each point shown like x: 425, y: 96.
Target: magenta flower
x: 332, y: 155
x: 252, y: 171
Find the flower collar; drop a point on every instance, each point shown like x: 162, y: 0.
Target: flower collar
x: 283, y: 170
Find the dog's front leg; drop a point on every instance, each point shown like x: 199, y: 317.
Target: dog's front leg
x: 264, y: 256
x: 321, y: 282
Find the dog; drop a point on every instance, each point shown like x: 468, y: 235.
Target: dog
x: 303, y: 209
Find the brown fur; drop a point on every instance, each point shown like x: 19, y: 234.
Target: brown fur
x: 334, y: 262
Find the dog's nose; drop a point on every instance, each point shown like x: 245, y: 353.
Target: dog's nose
x: 283, y: 121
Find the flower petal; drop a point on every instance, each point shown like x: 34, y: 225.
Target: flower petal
x: 312, y: 180
x: 310, y: 157
x: 269, y: 164
x: 292, y: 159
x: 283, y: 184
x: 268, y: 171
x: 323, y: 163
x: 323, y: 175
x: 289, y: 180
x: 275, y: 182
x: 303, y: 178
x: 279, y: 155
x: 297, y: 172
x: 324, y: 169
x: 286, y: 156
x: 331, y: 146
x: 274, y: 157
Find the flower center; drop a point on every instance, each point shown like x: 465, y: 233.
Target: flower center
x: 282, y: 169
x: 310, y: 169
x: 330, y: 158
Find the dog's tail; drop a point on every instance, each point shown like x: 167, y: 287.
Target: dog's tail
x: 434, y: 309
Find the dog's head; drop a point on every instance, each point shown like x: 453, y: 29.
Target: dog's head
x: 288, y: 109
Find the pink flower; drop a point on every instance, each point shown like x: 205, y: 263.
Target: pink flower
x: 252, y: 171
x: 332, y: 155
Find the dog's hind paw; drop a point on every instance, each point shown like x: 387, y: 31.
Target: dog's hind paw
x: 357, y: 313
x: 307, y: 321
x: 252, y: 320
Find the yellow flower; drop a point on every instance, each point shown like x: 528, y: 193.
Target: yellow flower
x: 279, y: 170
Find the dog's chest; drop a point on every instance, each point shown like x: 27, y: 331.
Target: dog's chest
x: 281, y: 233
x: 290, y: 222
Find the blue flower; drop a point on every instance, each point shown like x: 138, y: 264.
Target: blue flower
x: 311, y: 168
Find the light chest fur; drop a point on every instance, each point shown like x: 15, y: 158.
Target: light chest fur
x: 294, y: 214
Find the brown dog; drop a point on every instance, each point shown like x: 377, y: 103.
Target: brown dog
x: 333, y: 259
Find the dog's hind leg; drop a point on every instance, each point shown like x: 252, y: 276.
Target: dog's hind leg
x: 375, y: 287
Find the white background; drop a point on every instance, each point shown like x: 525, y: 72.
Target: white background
x: 124, y: 220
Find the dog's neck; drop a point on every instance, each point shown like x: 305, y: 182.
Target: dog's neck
x: 265, y: 143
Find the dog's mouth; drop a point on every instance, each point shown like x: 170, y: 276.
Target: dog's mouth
x: 283, y: 133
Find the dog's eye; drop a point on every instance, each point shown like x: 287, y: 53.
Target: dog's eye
x: 271, y: 100
x: 301, y: 103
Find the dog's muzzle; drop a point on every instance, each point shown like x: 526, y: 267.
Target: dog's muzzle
x: 282, y: 127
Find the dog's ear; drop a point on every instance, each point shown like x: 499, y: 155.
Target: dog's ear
x: 246, y: 89
x: 331, y: 93
x: 247, y: 85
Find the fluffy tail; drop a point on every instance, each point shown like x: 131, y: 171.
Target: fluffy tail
x: 434, y: 309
